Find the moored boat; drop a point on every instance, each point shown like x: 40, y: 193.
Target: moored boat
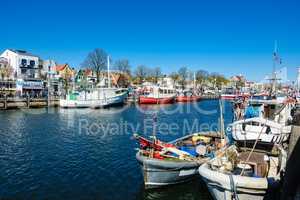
x: 243, y: 174
x: 175, y: 162
x: 97, y: 98
x: 266, y: 119
x: 157, y: 95
x: 187, y: 96
x: 153, y: 100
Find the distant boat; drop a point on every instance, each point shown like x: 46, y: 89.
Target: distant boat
x: 187, y: 96
x: 238, y: 173
x: 175, y: 162
x: 157, y: 95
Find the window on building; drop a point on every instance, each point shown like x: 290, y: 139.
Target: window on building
x: 23, y: 71
x: 32, y: 63
x: 24, y: 62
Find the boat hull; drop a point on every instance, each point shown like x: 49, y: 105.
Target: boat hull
x: 152, y: 100
x: 159, y: 173
x: 98, y: 103
x: 223, y: 186
x: 233, y: 96
x: 188, y: 98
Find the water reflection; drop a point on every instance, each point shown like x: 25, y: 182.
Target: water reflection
x: 193, y: 190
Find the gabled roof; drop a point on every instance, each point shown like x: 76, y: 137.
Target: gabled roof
x: 59, y: 67
x: 22, y: 52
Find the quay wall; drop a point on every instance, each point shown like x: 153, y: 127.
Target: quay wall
x: 15, y: 103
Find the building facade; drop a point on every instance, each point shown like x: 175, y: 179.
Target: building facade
x: 26, y: 71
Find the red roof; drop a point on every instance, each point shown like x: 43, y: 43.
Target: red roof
x: 59, y: 67
x: 88, y: 72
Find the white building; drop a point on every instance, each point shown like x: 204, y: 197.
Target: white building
x: 26, y: 71
x: 24, y: 64
x: 166, y: 82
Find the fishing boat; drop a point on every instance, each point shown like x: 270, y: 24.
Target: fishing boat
x: 243, y: 174
x: 96, y: 98
x: 157, y: 95
x: 266, y: 118
x: 177, y: 161
x: 187, y: 96
x: 246, y: 132
x: 231, y: 94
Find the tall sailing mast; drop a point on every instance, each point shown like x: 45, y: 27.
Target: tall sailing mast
x: 108, y: 73
x: 274, y: 78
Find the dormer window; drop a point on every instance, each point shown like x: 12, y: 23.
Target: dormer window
x: 32, y: 63
x: 23, y: 62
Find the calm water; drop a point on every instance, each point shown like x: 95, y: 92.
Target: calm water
x: 89, y: 154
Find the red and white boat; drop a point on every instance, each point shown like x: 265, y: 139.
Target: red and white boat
x: 187, y: 96
x: 157, y: 95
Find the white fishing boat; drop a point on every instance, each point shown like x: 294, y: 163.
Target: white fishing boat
x: 266, y: 118
x: 243, y: 174
x: 98, y: 97
x: 270, y: 132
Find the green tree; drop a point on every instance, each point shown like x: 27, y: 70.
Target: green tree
x: 218, y: 80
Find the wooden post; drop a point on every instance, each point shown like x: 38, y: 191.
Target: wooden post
x: 5, y: 102
x: 28, y: 101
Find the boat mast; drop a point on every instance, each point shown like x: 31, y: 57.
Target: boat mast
x: 194, y: 82
x: 274, y: 78
x: 108, y: 72
x: 222, y: 129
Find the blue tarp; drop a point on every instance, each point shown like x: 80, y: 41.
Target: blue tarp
x: 251, y: 112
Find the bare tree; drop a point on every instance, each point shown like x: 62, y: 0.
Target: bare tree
x: 156, y: 74
x: 123, y: 66
x: 97, y: 61
x: 175, y: 77
x: 141, y: 73
x: 201, y: 77
x: 183, y: 75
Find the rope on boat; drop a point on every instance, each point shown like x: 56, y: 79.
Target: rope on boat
x: 256, y: 141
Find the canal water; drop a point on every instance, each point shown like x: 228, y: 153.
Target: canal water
x: 90, y: 154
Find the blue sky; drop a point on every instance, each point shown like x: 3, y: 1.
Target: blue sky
x: 229, y: 37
